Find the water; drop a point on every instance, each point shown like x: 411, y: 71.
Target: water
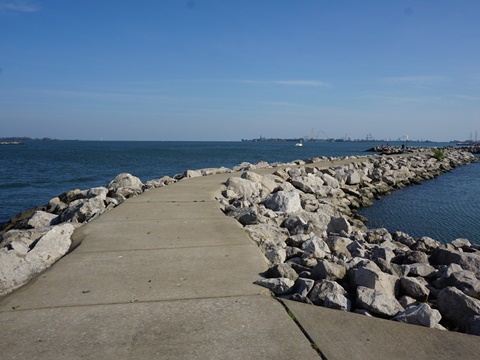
x: 445, y: 208
x: 33, y: 173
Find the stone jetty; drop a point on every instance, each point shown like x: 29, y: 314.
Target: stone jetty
x: 320, y: 252
x: 303, y: 218
x: 167, y: 275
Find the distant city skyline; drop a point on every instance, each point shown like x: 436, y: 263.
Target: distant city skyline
x: 227, y: 70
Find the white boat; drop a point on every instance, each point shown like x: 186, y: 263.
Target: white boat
x: 299, y: 144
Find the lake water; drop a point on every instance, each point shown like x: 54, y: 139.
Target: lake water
x: 33, y: 173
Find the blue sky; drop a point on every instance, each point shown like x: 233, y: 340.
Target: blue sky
x: 226, y: 70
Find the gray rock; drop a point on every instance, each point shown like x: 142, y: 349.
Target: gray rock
x: 243, y: 187
x: 461, y: 243
x: 315, y: 248
x: 457, y: 307
x: 284, y: 201
x: 420, y: 269
x: 465, y: 281
x: 283, y: 271
x: 191, y: 174
x: 330, y: 181
x: 421, y: 314
x: 339, y: 224
x: 322, y: 288
x: 126, y: 184
x: 338, y: 302
x: 279, y: 286
x: 18, y: 267
x: 406, y: 301
x: 326, y: 270
x: 377, y: 302
x: 375, y: 279
x: 413, y: 288
x: 473, y: 325
x: 267, y: 183
x: 468, y: 261
x: 338, y: 245
x: 265, y: 234
x: 83, y: 210
x: 41, y: 219
x: 303, y: 286
x: 275, y: 254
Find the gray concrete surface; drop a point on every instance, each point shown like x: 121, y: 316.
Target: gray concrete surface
x: 166, y: 275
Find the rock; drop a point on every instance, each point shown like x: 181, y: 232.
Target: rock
x: 330, y: 181
x: 325, y: 270
x: 265, y: 234
x: 267, y: 183
x: 465, y: 281
x: 275, y: 254
x: 473, y: 325
x: 284, y: 201
x: 377, y: 302
x: 461, y: 243
x: 467, y: 261
x: 375, y: 279
x: 126, y: 184
x: 279, y: 286
x: 339, y: 224
x: 22, y: 240
x: 338, y: 245
x: 41, y: 219
x: 243, y: 187
x: 309, y: 184
x: 315, y: 248
x: 303, y: 286
x: 406, y: 301
x: 322, y: 288
x: 457, y: 307
x: 191, y: 174
x: 413, y: 288
x: 283, y: 271
x: 353, y: 178
x: 18, y: 267
x: 420, y: 269
x: 421, y: 314
x: 338, y: 302
x: 245, y: 216
x: 83, y: 210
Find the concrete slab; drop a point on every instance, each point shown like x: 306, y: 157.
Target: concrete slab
x: 254, y: 327
x: 144, y: 275
x: 342, y: 335
x: 159, y: 234
x: 130, y: 210
x: 195, y: 189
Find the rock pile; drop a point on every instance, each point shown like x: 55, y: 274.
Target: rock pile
x: 303, y: 219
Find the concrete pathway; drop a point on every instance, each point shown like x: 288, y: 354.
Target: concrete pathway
x: 166, y: 275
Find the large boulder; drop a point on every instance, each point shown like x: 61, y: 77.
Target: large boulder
x: 284, y: 201
x: 375, y: 279
x: 126, y: 184
x: 377, y: 302
x: 414, y: 288
x: 18, y: 268
x: 322, y: 288
x: 468, y: 261
x: 457, y: 307
x: 421, y: 314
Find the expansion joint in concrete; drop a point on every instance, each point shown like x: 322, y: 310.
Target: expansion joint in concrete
x: 304, y: 332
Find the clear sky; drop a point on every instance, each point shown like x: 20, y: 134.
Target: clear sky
x: 226, y: 70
